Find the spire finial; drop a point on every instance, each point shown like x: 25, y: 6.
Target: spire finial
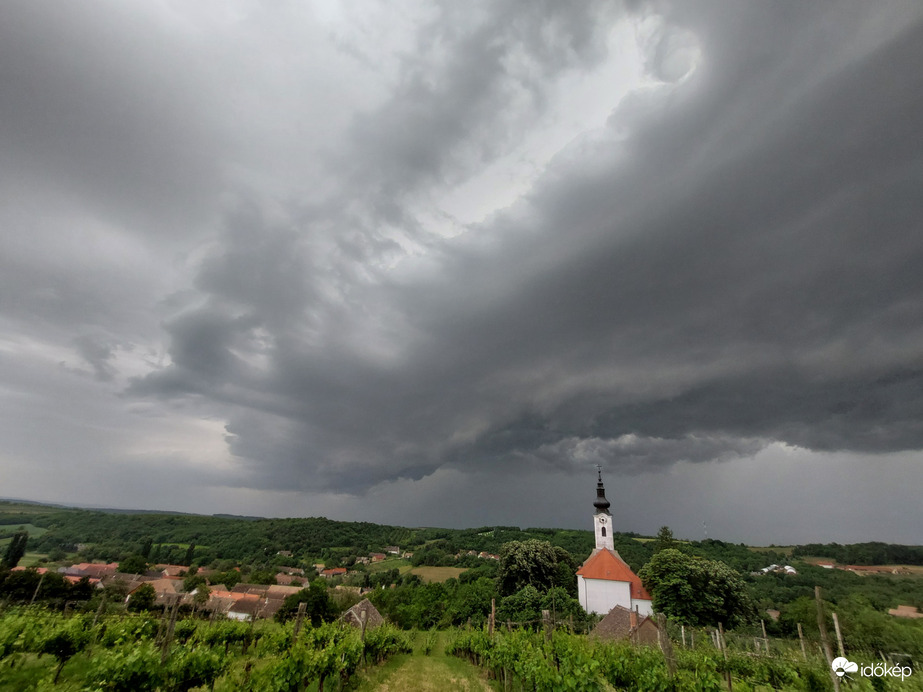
x: 601, y: 504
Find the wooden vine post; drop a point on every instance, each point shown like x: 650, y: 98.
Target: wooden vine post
x: 824, y: 641
x: 666, y: 646
x: 804, y: 654
x: 724, y: 650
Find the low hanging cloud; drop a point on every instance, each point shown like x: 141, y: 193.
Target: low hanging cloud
x: 724, y: 257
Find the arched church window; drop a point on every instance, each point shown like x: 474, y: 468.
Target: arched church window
x: 604, y: 531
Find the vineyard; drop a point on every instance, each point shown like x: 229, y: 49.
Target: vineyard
x: 43, y: 649
x: 524, y: 660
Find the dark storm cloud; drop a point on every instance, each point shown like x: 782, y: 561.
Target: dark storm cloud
x: 247, y: 227
x: 104, y: 103
x: 734, y: 260
x: 455, y: 106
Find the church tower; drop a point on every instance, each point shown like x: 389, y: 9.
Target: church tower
x: 602, y: 520
x: 605, y: 581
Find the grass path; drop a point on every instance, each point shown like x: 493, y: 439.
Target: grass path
x: 433, y: 673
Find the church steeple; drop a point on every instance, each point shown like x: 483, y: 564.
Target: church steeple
x: 601, y: 504
x: 601, y: 518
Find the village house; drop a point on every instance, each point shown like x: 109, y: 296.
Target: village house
x: 621, y: 623
x: 172, y: 571
x: 94, y: 570
x: 288, y: 579
x: 363, y: 611
x: 291, y: 570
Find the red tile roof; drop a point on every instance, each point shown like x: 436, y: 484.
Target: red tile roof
x: 606, y: 564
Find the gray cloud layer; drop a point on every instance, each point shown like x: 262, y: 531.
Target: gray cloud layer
x: 730, y: 260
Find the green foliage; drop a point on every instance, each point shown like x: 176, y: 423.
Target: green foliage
x: 230, y: 579
x: 526, y: 660
x: 21, y: 586
x: 126, y: 656
x: 261, y: 576
x: 319, y: 608
x: 15, y: 550
x: 121, y: 631
x: 194, y: 667
x: 534, y: 563
x: 325, y: 652
x: 386, y: 641
x: 65, y: 641
x: 696, y: 591
x: 873, y: 553
x: 190, y: 552
x: 523, y: 606
x: 22, y: 631
x: 133, y: 564
x: 131, y: 668
x: 429, y: 642
x: 142, y: 599
x: 665, y: 539
x: 224, y: 633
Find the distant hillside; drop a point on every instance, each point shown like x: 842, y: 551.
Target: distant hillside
x: 114, y: 534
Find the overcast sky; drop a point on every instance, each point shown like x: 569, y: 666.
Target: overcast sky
x: 428, y: 263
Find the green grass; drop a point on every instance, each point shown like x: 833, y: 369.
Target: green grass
x: 418, y: 671
x: 391, y: 563
x: 32, y: 529
x: 32, y: 672
x: 32, y: 559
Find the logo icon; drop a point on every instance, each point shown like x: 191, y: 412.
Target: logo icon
x: 841, y: 666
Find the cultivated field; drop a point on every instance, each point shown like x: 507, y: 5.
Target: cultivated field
x: 437, y: 574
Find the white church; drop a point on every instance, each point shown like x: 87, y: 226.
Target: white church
x: 605, y: 580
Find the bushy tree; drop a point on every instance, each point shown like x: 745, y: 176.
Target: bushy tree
x: 143, y: 598
x: 15, y: 550
x: 320, y: 607
x: 696, y: 591
x: 133, y: 564
x: 665, y: 539
x: 534, y: 563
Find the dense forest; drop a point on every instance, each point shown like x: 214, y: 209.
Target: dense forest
x: 863, y: 553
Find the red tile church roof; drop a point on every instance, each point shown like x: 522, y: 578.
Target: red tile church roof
x: 606, y: 564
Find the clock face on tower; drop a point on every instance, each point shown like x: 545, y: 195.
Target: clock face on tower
x: 602, y: 520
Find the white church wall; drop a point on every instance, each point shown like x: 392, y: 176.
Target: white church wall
x: 601, y: 596
x: 644, y: 607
